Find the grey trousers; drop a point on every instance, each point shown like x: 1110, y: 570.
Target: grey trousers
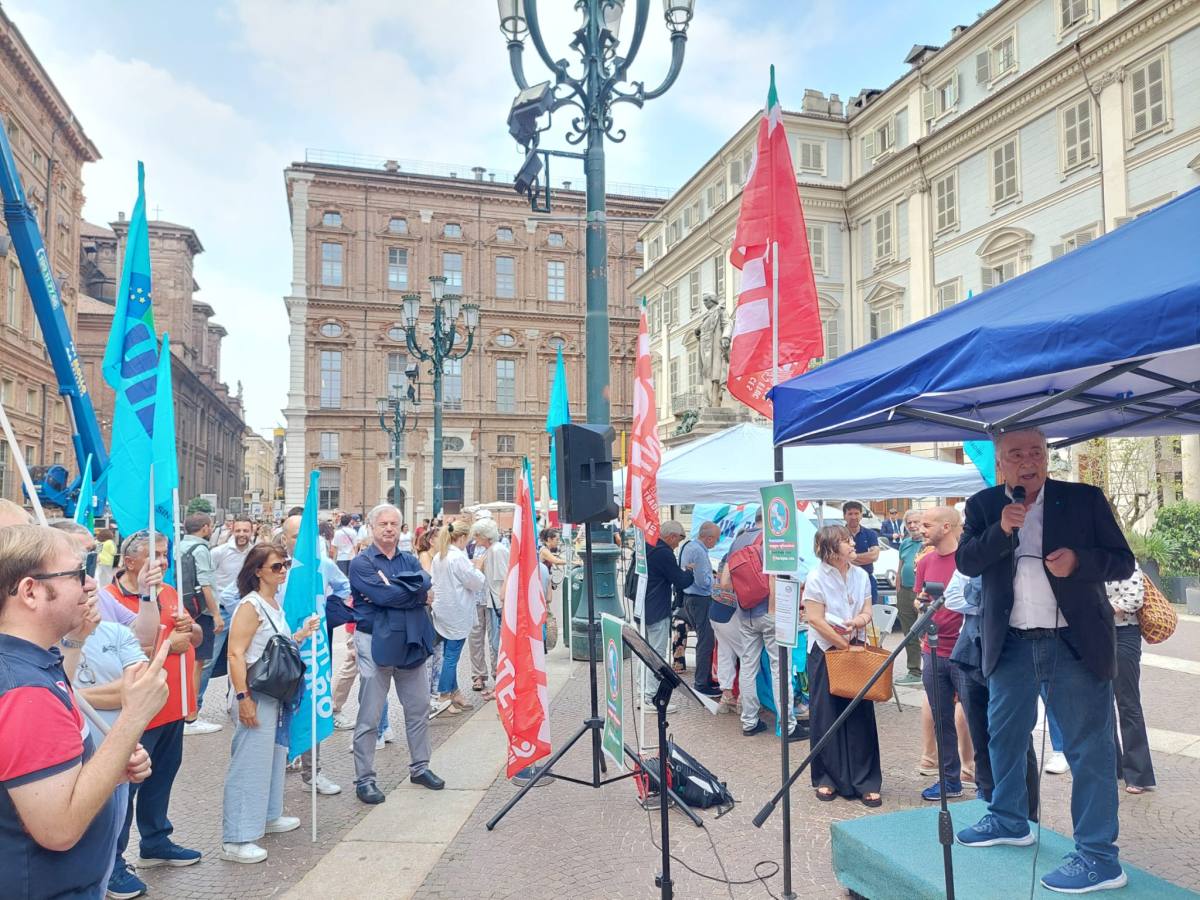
x: 412, y: 687
x: 254, y: 781
x: 759, y: 635
x: 486, y: 629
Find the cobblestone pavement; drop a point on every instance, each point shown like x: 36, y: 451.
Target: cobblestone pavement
x: 567, y: 840
x: 196, y: 803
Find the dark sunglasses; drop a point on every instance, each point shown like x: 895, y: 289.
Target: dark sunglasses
x: 278, y: 567
x: 81, y: 573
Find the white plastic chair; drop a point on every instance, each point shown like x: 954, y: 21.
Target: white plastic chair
x: 884, y: 617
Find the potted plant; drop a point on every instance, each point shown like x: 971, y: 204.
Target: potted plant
x: 1178, y: 527
x: 1149, y: 550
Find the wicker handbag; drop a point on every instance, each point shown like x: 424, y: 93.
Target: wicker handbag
x: 1156, y: 618
x: 850, y: 669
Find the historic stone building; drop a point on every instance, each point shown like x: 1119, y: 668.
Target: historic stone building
x: 368, y: 232
x: 50, y: 147
x: 1035, y: 129
x: 208, y: 419
x: 259, y: 478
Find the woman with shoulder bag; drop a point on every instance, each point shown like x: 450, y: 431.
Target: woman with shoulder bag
x: 258, y: 760
x: 837, y: 606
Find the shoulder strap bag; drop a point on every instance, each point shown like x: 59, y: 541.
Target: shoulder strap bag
x: 279, y: 672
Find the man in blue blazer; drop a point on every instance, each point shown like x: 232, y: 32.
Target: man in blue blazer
x: 1044, y: 560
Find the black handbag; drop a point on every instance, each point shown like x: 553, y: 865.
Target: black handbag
x: 279, y: 672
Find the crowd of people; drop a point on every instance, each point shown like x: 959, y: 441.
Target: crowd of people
x: 104, y: 666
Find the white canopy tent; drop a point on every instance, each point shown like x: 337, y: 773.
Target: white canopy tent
x: 731, y: 465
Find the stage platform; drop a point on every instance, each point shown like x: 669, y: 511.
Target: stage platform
x: 897, y: 855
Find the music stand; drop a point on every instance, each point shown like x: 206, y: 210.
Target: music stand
x: 668, y: 681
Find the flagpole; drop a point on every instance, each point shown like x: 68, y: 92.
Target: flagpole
x: 312, y: 667
x: 19, y: 459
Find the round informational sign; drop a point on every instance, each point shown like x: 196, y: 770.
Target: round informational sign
x: 614, y: 669
x: 778, y: 517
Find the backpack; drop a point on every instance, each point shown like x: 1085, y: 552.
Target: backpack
x: 191, y: 594
x: 750, y: 583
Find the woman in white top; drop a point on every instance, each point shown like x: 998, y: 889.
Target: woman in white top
x: 1133, y: 746
x: 456, y: 581
x: 837, y: 606
x: 405, y: 542
x: 254, y: 781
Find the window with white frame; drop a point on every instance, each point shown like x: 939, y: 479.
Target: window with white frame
x: 397, y: 271
x: 330, y: 491
x: 655, y: 248
x: 816, y: 247
x: 1002, y: 57
x: 638, y: 246
x: 397, y: 379
x: 452, y: 269
x: 884, y: 314
x: 693, y: 363
x: 452, y: 230
x: 331, y: 379
x: 1076, y: 121
x: 941, y: 99
x: 556, y: 280
x: 506, y: 484
x: 556, y: 239
x: 1006, y: 184
x: 1147, y: 85
x: 1073, y: 241
x: 671, y: 306
x: 830, y: 332
x: 714, y: 194
x: 719, y: 277
x: 998, y: 272
x: 506, y: 443
x: 945, y: 200
x: 332, y: 220
x: 676, y: 384
x: 506, y: 385
x: 329, y: 446
x: 654, y: 315
x: 452, y: 384
x: 398, y: 225
x: 674, y: 231
x: 1071, y: 13
x: 739, y: 168
x: 949, y: 293
x: 694, y: 290
x: 506, y: 276
x: 1005, y: 255
x: 504, y: 233
x: 882, y: 226
x: 332, y: 257
x: 810, y: 156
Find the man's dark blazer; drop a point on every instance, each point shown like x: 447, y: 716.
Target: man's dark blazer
x: 1076, y: 516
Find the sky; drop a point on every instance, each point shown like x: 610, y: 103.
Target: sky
x: 218, y: 97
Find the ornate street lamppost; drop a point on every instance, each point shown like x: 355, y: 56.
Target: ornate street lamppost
x: 445, y: 334
x: 401, y: 404
x: 593, y: 93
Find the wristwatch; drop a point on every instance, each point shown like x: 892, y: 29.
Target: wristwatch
x: 241, y: 695
x: 70, y: 644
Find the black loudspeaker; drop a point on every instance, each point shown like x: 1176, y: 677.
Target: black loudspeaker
x: 583, y: 458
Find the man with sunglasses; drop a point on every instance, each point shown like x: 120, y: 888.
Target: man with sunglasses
x: 164, y: 735
x: 60, y: 810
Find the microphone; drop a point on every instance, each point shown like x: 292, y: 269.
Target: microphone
x: 1018, y: 496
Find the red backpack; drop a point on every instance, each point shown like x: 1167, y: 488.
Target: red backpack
x: 751, y: 585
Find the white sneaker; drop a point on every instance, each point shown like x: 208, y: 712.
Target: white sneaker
x: 437, y: 707
x: 325, y: 786
x: 283, y: 824
x: 1056, y: 764
x: 243, y: 853
x: 343, y: 723
x: 200, y: 727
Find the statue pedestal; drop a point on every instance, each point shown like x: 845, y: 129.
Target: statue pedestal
x: 699, y: 423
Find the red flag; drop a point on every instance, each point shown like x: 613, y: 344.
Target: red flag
x: 521, y: 692
x: 770, y: 214
x: 646, y: 453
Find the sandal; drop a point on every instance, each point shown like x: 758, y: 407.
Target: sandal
x: 1134, y: 789
x: 478, y: 682
x: 825, y: 794
x: 874, y: 801
x: 488, y: 695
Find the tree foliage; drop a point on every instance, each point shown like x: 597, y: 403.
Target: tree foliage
x: 198, y: 505
x: 1178, y: 527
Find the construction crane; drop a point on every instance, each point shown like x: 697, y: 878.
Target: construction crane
x: 54, y: 484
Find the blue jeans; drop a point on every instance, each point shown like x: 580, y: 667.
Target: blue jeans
x: 1056, y: 742
x: 1082, y: 704
x: 448, y: 679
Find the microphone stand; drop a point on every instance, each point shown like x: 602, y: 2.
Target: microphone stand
x: 945, y: 825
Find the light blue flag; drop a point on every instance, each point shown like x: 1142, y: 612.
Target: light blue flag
x: 559, y: 413
x: 164, y: 453
x: 983, y: 454
x: 130, y: 368
x: 305, y: 596
x: 85, y: 504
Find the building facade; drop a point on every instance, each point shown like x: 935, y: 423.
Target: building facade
x: 209, y: 426
x: 258, y: 498
x: 50, y: 148
x: 365, y: 234
x: 1039, y: 127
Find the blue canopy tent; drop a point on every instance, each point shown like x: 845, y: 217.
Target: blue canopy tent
x: 1102, y: 341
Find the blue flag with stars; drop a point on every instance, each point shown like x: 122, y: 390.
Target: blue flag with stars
x: 131, y: 369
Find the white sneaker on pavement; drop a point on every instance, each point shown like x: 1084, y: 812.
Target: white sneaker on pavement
x: 243, y: 853
x: 438, y: 706
x: 200, y: 727
x: 325, y: 786
x: 1056, y: 764
x: 283, y: 824
x: 343, y: 723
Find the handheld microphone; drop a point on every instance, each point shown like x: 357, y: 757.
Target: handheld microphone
x: 1018, y: 496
